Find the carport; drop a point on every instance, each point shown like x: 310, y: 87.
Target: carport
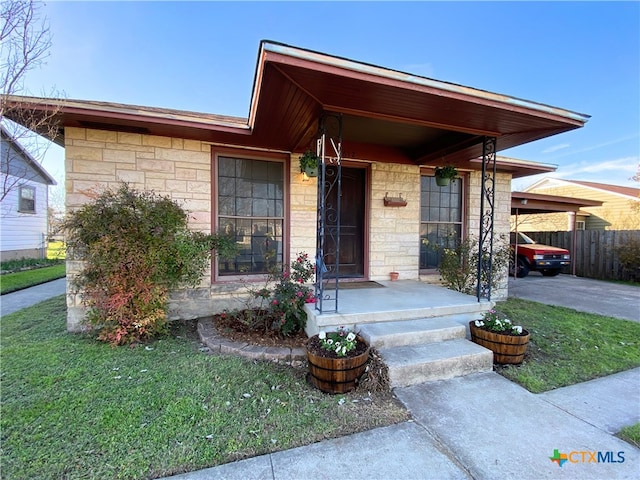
x: 531, y: 203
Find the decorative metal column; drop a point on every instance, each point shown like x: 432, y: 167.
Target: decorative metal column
x: 487, y: 204
x: 329, y: 151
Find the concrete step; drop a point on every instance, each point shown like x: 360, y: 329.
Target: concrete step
x: 413, y: 364
x: 411, y: 332
x: 463, y: 312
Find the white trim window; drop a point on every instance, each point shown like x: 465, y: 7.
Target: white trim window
x: 26, y: 199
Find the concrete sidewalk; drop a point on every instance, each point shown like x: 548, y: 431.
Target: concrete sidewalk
x: 12, y: 302
x: 479, y: 426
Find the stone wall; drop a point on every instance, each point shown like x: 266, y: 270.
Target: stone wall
x: 178, y: 168
x: 394, y: 236
x: 181, y: 169
x: 502, y: 215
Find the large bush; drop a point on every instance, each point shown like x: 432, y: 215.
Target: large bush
x: 459, y: 266
x: 136, y: 247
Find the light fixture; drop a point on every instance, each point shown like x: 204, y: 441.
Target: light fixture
x: 523, y: 201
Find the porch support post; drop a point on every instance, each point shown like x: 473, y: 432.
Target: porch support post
x: 329, y: 151
x: 487, y: 204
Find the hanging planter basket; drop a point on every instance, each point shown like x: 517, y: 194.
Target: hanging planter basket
x: 442, y: 181
x: 311, y: 171
x: 507, y: 349
x: 309, y: 163
x: 445, y: 174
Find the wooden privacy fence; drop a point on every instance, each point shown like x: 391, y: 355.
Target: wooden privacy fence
x: 597, y: 252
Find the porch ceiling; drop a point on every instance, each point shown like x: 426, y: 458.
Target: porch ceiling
x: 421, y: 120
x: 387, y: 115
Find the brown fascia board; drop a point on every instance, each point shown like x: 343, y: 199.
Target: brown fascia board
x: 555, y: 202
x: 281, y: 53
x: 74, y: 112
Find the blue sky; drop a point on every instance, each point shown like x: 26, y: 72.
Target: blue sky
x: 201, y: 56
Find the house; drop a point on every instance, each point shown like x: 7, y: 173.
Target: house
x: 24, y: 203
x: 379, y: 133
x: 619, y: 208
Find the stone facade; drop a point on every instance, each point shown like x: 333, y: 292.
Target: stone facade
x: 394, y: 236
x: 182, y: 169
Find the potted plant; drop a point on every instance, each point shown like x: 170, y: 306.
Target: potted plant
x: 507, y: 341
x: 336, y: 360
x: 309, y: 163
x: 445, y: 174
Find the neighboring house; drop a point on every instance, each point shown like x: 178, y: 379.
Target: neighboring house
x: 620, y: 209
x: 241, y: 175
x: 24, y: 206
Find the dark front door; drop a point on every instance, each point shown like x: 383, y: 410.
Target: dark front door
x: 352, y: 214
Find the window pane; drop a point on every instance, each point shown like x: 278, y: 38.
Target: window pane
x: 27, y: 199
x: 253, y: 189
x: 227, y: 186
x: 260, y: 207
x: 226, y: 167
x: 441, y: 217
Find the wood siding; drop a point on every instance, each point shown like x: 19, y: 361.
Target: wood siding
x: 23, y: 231
x: 616, y: 213
x: 596, y: 252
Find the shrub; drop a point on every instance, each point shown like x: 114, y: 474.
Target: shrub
x: 459, y: 266
x: 629, y: 258
x: 278, y: 304
x: 136, y: 247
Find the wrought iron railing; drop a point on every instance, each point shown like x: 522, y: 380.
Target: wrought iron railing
x: 329, y: 151
x: 487, y: 208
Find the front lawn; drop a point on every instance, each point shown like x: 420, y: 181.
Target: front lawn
x: 568, y: 346
x: 74, y: 408
x: 631, y: 434
x: 12, y: 282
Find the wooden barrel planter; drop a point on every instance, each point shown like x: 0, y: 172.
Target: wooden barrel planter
x: 337, y: 375
x: 507, y: 349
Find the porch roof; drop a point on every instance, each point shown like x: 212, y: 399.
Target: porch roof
x: 387, y: 115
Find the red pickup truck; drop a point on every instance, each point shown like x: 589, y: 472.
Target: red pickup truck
x: 534, y: 256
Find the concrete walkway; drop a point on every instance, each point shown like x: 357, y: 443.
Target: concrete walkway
x: 12, y: 302
x: 582, y: 294
x: 475, y: 427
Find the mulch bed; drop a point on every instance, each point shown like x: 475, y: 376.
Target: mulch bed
x: 235, y: 330
x: 376, y: 378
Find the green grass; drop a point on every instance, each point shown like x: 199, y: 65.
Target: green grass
x: 11, y: 282
x: 569, y: 347
x: 75, y: 408
x: 631, y: 434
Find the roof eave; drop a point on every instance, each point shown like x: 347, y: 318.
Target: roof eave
x: 415, y: 81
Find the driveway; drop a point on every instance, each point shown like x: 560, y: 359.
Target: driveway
x: 583, y: 294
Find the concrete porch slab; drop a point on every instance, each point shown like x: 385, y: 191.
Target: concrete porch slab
x: 401, y: 300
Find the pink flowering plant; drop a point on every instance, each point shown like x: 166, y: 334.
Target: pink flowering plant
x: 342, y: 341
x: 277, y: 303
x: 290, y: 294
x: 496, y: 322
